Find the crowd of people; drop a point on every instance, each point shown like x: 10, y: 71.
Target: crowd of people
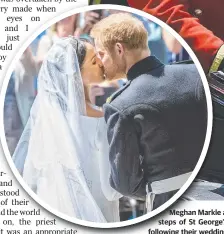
x: 24, y: 84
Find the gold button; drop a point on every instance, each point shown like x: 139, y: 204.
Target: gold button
x: 198, y: 12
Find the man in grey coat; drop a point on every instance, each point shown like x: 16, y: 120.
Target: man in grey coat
x: 157, y: 121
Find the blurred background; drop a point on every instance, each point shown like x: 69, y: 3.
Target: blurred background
x: 22, y: 88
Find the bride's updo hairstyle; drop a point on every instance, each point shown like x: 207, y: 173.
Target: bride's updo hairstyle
x: 79, y: 44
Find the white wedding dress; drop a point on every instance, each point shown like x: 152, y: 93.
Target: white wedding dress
x: 105, y: 196
x: 63, y: 154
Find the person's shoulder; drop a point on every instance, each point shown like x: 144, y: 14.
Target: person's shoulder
x: 131, y: 98
x: 184, y: 67
x: 118, y: 93
x: 188, y: 77
x: 187, y: 64
x: 123, y: 100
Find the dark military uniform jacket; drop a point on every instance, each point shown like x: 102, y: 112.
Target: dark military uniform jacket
x: 156, y: 127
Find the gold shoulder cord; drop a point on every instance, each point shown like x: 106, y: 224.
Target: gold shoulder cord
x: 109, y: 99
x: 217, y: 60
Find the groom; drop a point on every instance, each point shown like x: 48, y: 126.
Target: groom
x: 157, y: 122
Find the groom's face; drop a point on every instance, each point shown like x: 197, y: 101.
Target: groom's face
x: 109, y: 61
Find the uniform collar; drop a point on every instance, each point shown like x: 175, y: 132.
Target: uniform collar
x: 144, y: 66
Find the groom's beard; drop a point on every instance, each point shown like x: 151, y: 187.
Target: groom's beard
x: 115, y: 72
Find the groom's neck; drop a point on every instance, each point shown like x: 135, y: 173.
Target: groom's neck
x: 135, y: 56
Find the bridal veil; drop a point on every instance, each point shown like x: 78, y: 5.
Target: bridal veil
x: 51, y: 153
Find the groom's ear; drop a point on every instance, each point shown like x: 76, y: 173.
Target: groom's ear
x: 119, y: 48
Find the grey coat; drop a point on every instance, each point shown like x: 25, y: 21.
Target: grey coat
x: 156, y: 126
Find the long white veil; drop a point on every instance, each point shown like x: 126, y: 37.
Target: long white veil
x: 56, y: 163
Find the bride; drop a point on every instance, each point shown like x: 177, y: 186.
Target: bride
x: 63, y: 152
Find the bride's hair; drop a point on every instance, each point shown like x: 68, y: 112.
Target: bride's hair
x: 79, y: 44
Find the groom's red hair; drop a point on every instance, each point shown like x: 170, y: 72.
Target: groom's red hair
x: 121, y: 28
